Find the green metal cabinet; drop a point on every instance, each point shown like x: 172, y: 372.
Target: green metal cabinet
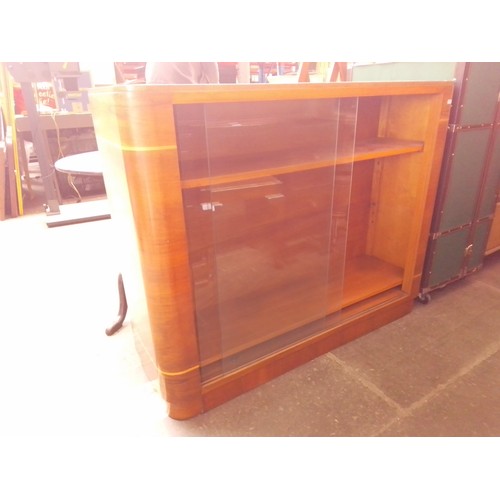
x: 469, y: 180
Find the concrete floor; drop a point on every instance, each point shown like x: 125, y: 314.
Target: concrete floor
x: 435, y: 372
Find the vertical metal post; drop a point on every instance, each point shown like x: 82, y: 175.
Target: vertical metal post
x: 42, y: 151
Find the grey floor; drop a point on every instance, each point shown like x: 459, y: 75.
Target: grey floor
x: 435, y: 372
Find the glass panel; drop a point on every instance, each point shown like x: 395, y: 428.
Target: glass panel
x: 273, y: 233
x: 191, y: 140
x: 278, y: 136
x: 199, y: 225
x: 266, y: 211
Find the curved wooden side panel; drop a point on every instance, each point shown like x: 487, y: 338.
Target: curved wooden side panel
x: 141, y: 127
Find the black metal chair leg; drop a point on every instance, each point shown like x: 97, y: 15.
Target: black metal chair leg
x: 122, y: 311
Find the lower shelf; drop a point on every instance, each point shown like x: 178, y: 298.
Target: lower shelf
x: 367, y: 276
x: 229, y: 385
x: 289, y: 315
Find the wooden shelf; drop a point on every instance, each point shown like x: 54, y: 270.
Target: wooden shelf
x: 365, y: 277
x: 278, y: 164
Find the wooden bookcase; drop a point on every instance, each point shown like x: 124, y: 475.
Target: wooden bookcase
x: 493, y: 243
x: 267, y: 225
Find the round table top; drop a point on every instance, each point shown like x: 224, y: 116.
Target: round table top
x: 81, y: 164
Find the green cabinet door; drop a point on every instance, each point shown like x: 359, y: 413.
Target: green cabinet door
x: 464, y: 175
x: 446, y: 258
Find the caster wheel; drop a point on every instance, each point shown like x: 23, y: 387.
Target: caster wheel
x: 424, y: 298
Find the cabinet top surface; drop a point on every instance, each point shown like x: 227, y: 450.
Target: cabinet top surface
x: 184, y: 94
